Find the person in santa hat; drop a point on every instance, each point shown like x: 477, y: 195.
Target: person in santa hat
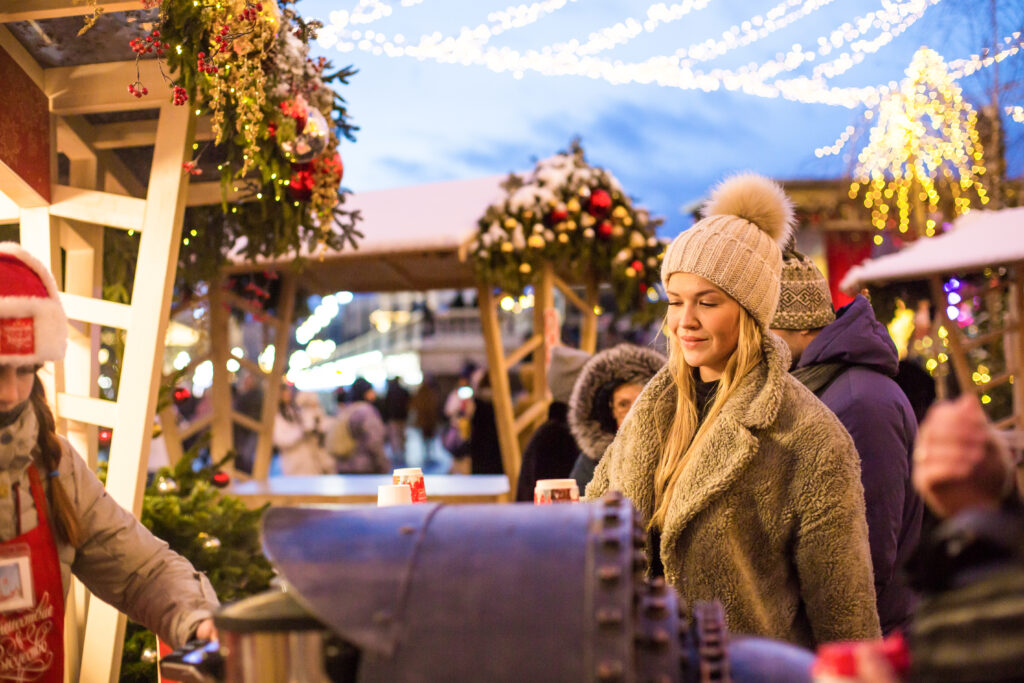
x: 56, y: 519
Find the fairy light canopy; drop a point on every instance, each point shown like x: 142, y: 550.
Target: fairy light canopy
x: 925, y: 132
x: 832, y: 53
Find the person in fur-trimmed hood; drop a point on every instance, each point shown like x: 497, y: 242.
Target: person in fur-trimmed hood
x: 750, y: 485
x: 602, y: 396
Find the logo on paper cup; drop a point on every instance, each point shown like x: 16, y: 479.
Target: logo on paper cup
x: 413, y: 476
x: 548, y: 491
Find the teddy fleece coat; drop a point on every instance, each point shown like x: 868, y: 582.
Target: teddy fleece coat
x: 767, y: 517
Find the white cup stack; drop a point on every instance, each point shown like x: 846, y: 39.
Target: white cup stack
x: 394, y: 494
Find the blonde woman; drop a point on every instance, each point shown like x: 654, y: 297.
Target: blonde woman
x: 750, y: 485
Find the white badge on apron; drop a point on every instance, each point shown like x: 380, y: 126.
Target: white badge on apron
x: 16, y: 578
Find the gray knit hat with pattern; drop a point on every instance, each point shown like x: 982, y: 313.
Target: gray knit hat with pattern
x: 736, y: 245
x: 805, y: 302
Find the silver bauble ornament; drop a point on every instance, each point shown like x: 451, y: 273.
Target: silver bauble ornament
x: 166, y: 485
x: 149, y: 655
x: 311, y: 142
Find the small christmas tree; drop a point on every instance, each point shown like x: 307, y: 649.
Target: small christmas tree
x: 216, y: 532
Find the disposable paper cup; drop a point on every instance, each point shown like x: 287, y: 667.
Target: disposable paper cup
x: 413, y: 476
x: 393, y: 494
x: 549, y: 491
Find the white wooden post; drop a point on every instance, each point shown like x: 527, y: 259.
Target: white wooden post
x: 140, y: 373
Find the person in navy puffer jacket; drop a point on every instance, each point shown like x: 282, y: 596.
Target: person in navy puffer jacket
x: 849, y: 361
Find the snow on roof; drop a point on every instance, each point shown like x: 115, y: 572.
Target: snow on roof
x: 412, y: 237
x: 434, y: 216
x: 978, y: 239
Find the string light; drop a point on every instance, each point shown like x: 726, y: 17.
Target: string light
x: 836, y: 146
x: 925, y: 129
x: 1016, y: 113
x: 666, y: 70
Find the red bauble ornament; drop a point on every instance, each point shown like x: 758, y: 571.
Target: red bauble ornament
x: 600, y: 203
x: 221, y: 479
x: 637, y: 266
x: 331, y: 165
x: 557, y: 216
x: 605, y: 229
x: 300, y: 187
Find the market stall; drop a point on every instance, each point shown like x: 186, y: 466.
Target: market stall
x: 975, y: 275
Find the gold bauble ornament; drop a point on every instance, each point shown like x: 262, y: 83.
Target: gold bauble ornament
x: 511, y: 223
x: 536, y: 241
x: 524, y: 268
x: 587, y: 221
x: 620, y: 211
x: 573, y: 205
x: 563, y: 238
x: 507, y: 246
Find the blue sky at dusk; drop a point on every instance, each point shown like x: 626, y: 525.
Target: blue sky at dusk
x: 425, y: 121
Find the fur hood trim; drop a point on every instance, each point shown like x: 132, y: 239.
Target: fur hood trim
x: 623, y: 363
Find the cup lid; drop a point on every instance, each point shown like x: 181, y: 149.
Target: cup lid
x: 544, y: 484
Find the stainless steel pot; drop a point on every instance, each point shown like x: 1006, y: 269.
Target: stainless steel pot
x: 269, y: 638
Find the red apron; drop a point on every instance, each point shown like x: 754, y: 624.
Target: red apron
x: 32, y: 639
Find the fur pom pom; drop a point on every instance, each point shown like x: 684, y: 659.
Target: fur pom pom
x: 756, y: 199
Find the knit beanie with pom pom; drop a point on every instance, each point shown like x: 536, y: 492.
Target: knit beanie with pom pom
x: 737, y: 244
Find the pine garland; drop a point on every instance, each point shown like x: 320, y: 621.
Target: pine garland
x: 217, y: 533
x: 247, y: 64
x: 579, y: 218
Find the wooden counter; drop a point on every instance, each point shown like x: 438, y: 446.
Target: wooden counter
x: 362, y: 488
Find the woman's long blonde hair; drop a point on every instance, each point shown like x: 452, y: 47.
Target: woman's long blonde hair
x: 683, y: 433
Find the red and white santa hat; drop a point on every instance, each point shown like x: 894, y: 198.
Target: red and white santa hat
x: 33, y: 327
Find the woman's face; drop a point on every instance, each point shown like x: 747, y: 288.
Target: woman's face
x: 705, y: 321
x: 15, y: 385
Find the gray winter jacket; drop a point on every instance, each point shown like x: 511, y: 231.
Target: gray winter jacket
x: 119, y: 560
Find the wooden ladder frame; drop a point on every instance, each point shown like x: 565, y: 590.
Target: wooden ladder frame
x: 511, y: 429
x: 103, y: 193
x: 1012, y: 334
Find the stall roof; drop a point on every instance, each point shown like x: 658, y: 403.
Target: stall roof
x: 412, y: 238
x: 978, y: 240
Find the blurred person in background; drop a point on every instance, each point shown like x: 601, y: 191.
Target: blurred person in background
x: 356, y: 438
x: 299, y: 428
x: 396, y: 417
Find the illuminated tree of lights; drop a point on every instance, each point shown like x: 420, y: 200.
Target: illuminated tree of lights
x: 926, y: 133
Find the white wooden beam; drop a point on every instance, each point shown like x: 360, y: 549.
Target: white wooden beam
x: 99, y: 208
x: 208, y: 192
x: 20, y: 55
x: 24, y: 10
x: 97, y: 311
x: 144, y: 348
x: 40, y: 236
x: 140, y: 133
x: 94, y: 411
x: 9, y: 211
x: 75, y: 137
x: 95, y: 88
x: 18, y: 191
